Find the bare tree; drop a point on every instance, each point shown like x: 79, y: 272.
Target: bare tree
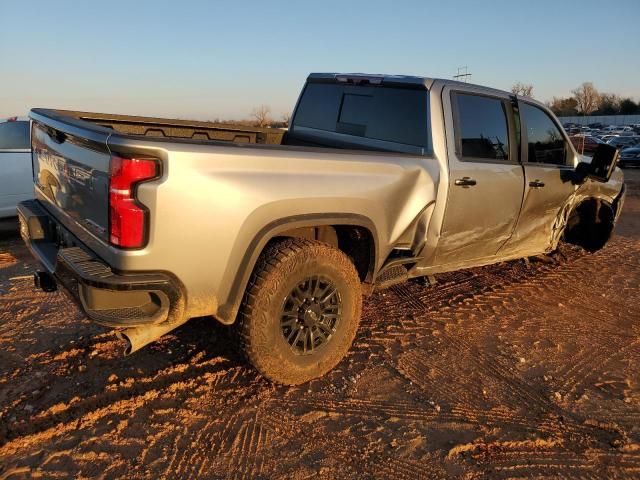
x: 523, y: 89
x: 262, y: 115
x: 587, y: 98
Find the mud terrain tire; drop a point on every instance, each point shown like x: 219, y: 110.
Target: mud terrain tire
x: 265, y: 328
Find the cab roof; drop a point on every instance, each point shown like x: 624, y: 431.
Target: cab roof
x: 371, y: 79
x: 395, y: 80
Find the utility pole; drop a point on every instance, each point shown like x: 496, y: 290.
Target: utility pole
x: 463, y: 74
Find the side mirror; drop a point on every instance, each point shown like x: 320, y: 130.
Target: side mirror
x: 602, y: 165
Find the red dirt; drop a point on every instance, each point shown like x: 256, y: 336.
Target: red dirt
x: 507, y: 371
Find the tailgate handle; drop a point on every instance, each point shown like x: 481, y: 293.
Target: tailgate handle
x: 56, y: 135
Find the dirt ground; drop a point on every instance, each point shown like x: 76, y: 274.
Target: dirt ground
x: 508, y: 371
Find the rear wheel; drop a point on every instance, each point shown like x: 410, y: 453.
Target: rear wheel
x: 300, y: 312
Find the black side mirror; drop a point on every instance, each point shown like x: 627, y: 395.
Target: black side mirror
x: 603, y: 163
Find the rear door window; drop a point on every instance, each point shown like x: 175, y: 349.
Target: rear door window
x: 14, y: 136
x: 545, y: 141
x: 481, y: 130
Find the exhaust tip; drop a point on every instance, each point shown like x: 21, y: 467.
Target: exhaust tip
x: 128, y: 348
x: 137, y: 337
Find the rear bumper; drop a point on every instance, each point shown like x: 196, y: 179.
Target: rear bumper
x: 114, y: 299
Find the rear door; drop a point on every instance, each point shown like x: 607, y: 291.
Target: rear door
x: 16, y: 179
x: 549, y: 163
x: 486, y: 181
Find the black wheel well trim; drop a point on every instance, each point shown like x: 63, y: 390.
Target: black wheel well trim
x: 602, y: 203
x: 573, y: 209
x: 227, y: 312
x: 606, y: 201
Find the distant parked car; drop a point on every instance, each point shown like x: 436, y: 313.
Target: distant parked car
x: 606, y: 138
x: 16, y: 179
x: 624, y: 141
x: 624, y: 130
x: 630, y: 157
x: 585, y: 144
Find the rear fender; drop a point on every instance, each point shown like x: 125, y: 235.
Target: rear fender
x: 228, y: 311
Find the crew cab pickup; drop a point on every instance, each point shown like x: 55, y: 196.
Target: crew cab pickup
x: 149, y: 222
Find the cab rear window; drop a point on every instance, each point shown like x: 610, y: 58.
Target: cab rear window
x: 398, y: 115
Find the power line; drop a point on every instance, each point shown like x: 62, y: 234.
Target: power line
x: 463, y: 73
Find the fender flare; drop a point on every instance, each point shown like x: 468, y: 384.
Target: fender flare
x: 228, y: 309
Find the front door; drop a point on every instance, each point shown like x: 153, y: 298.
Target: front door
x: 548, y: 165
x: 486, y: 181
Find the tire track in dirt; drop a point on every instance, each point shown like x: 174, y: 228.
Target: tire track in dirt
x: 463, y: 406
x: 364, y: 408
x: 414, y: 366
x: 474, y: 288
x: 410, y: 300
x: 591, y: 366
x: 561, y: 465
x: 401, y: 469
x: 245, y: 454
x: 184, y: 378
x: 544, y: 458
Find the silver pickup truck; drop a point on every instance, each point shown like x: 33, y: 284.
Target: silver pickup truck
x: 149, y: 222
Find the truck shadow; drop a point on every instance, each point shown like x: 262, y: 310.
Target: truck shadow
x: 90, y: 376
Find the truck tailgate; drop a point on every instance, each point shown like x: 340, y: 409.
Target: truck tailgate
x: 71, y: 172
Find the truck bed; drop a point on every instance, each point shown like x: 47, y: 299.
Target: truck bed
x: 174, y: 128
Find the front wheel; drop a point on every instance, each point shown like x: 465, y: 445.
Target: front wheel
x: 300, y: 312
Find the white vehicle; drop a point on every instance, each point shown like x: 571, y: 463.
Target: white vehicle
x: 16, y: 178
x: 618, y: 129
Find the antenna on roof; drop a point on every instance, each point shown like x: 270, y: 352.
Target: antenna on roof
x: 463, y: 73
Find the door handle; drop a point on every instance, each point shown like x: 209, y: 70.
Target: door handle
x: 465, y: 182
x: 536, y: 184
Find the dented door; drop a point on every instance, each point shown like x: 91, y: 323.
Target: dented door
x: 486, y: 181
x: 549, y: 165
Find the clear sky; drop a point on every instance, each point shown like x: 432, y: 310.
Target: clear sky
x: 218, y: 59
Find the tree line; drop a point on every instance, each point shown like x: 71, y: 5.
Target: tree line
x: 585, y: 100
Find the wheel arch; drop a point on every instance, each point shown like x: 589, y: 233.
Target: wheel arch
x: 590, y: 222
x: 342, y: 230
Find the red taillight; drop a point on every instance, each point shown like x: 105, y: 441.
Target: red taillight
x: 127, y: 218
